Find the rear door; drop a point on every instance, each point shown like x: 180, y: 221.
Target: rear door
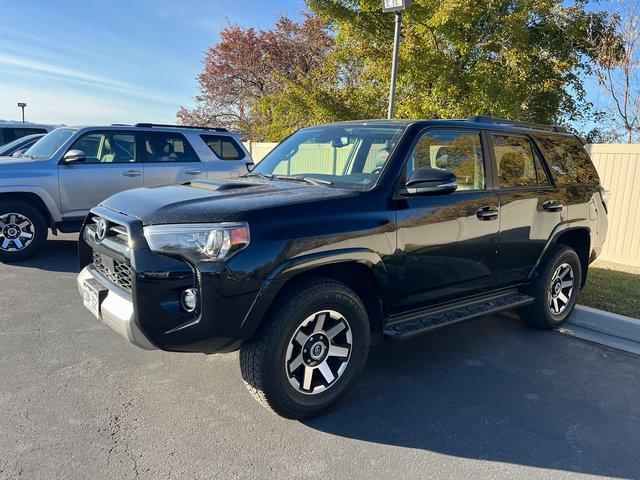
x: 111, y: 166
x: 169, y: 159
x: 531, y: 206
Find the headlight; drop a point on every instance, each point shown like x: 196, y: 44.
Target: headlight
x: 198, y: 242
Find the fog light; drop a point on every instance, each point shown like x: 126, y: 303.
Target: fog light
x: 189, y: 300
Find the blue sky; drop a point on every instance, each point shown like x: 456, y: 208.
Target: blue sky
x: 106, y: 61
x: 118, y: 61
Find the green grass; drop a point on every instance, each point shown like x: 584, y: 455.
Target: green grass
x: 613, y: 291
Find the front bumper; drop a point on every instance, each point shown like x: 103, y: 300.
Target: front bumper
x: 116, y: 310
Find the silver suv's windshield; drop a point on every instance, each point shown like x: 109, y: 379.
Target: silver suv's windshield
x: 347, y: 156
x: 49, y: 144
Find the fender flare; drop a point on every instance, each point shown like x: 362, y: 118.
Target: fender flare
x: 42, y: 194
x: 304, y: 263
x: 579, y: 224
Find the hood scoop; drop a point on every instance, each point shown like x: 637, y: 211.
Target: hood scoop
x: 222, y: 185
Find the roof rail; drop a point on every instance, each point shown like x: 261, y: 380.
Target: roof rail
x: 516, y: 123
x: 194, y: 127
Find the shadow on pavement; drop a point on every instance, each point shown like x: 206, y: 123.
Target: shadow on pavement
x: 58, y: 255
x: 493, y: 390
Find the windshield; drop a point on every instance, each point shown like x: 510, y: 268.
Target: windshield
x: 49, y: 144
x: 347, y: 156
x: 8, y: 148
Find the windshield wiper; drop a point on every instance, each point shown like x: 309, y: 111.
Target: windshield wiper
x: 300, y: 178
x: 258, y: 174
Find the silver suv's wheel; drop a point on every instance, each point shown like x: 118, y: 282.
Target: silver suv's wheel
x: 16, y: 232
x: 309, y: 351
x: 23, y: 230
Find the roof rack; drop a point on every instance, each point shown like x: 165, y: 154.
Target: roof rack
x: 516, y: 123
x: 193, y: 127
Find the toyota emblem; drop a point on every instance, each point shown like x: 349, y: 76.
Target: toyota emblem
x: 101, y: 229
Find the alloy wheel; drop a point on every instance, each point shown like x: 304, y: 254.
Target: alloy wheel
x: 318, y: 352
x: 561, y: 289
x: 17, y: 232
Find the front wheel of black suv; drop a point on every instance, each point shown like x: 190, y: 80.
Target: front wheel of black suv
x: 23, y: 230
x: 555, y: 290
x: 310, y: 350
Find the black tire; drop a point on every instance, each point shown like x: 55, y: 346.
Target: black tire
x: 38, y: 230
x: 263, y: 358
x: 540, y: 314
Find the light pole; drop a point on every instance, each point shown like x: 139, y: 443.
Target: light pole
x: 397, y: 7
x: 22, y: 105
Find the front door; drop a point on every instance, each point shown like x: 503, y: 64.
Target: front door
x: 449, y: 242
x: 530, y: 205
x: 169, y: 160
x: 111, y: 166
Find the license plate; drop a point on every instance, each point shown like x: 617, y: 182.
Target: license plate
x: 92, y: 299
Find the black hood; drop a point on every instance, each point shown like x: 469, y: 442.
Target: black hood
x: 215, y: 201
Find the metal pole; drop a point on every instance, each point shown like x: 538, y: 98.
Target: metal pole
x: 22, y: 114
x: 394, y: 66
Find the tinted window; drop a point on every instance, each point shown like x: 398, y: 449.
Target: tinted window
x: 107, y: 147
x: 517, y: 162
x: 167, y: 147
x: 11, y: 134
x: 459, y: 152
x: 567, y: 159
x: 225, y: 148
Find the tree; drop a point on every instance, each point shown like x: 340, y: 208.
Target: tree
x: 247, y: 67
x: 618, y: 68
x: 521, y: 59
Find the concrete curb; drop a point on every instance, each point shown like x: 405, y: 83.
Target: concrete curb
x: 610, y: 329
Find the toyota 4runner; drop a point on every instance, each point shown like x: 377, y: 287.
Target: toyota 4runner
x: 54, y: 184
x: 343, y: 236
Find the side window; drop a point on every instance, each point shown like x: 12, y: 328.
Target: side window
x: 517, y: 162
x: 567, y: 159
x: 458, y: 151
x: 225, y: 148
x: 167, y: 148
x: 107, y: 147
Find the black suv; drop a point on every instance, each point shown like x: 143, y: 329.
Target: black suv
x: 343, y: 236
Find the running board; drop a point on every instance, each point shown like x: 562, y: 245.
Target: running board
x: 420, y: 323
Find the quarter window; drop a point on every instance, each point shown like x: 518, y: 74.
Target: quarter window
x: 225, y: 148
x: 107, y: 147
x: 167, y: 148
x: 517, y: 162
x: 459, y: 152
x: 567, y: 159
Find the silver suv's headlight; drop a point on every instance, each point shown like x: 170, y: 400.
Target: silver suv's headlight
x: 198, y: 242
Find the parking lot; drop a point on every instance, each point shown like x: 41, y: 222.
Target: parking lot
x: 488, y: 399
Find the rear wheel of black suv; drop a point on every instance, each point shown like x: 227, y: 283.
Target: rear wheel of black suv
x: 23, y: 230
x: 555, y: 290
x: 310, y: 350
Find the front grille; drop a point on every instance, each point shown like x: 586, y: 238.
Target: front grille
x: 113, y: 231
x: 121, y: 274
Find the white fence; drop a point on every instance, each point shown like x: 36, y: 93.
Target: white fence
x: 619, y: 170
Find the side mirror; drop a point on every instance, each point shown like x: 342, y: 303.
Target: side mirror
x: 431, y: 181
x: 74, y: 156
x: 18, y: 153
x: 250, y: 166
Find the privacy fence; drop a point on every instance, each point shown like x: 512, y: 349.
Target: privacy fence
x: 619, y: 169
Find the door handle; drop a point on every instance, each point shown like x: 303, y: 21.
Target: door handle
x: 193, y: 172
x: 487, y: 213
x: 553, y: 206
x: 132, y: 173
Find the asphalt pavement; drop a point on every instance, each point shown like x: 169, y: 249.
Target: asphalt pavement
x: 489, y: 399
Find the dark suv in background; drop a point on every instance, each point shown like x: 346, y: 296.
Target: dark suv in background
x: 345, y: 235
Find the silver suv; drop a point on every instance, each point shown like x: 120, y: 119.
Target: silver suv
x: 71, y: 170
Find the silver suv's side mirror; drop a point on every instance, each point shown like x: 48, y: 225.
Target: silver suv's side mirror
x: 74, y: 156
x: 431, y: 181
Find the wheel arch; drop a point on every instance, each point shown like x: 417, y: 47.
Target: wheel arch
x: 41, y: 200
x: 361, y: 270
